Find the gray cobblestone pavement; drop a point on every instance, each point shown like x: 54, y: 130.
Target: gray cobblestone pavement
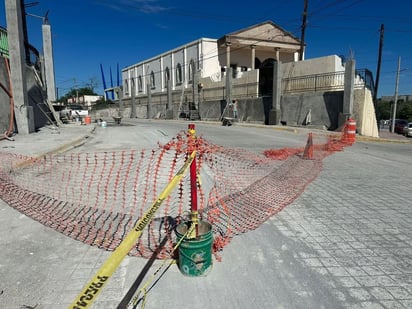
x: 344, y: 243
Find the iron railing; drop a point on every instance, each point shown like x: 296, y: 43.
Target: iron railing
x: 333, y: 81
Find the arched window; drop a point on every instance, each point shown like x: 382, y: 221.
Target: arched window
x: 139, y: 83
x: 126, y: 86
x: 179, y: 75
x: 152, y: 80
x: 132, y: 86
x: 167, y: 76
x: 191, y: 71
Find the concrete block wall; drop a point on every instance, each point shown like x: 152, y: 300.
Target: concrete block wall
x: 325, y: 108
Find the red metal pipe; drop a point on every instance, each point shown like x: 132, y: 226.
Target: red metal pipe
x: 193, y: 178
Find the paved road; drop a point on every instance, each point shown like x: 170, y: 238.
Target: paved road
x: 344, y: 243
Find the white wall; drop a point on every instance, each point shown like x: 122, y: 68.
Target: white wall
x: 313, y: 66
x: 194, y: 51
x: 209, y: 61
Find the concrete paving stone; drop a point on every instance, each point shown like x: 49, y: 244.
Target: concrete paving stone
x: 337, y: 271
x: 371, y: 305
x: 408, y: 287
x: 348, y: 282
x: 329, y: 262
x: 359, y: 294
x: 403, y: 279
x: 399, y: 292
x: 406, y: 303
x: 369, y: 281
x: 390, y: 269
x: 363, y: 261
x: 392, y: 304
x: 356, y: 271
x: 358, y: 244
x: 372, y: 270
x: 381, y: 293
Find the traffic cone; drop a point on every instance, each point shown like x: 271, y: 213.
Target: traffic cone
x: 308, y: 152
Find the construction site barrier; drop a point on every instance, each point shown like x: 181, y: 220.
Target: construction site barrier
x: 95, y: 285
x: 97, y: 197
x: 349, y: 134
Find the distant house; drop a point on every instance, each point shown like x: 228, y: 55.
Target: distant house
x: 85, y: 100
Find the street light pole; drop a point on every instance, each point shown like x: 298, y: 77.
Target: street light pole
x: 396, y: 95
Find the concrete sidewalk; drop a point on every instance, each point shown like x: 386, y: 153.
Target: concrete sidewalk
x: 344, y: 243
x: 49, y: 140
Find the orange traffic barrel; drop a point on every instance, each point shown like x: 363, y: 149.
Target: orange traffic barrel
x: 87, y: 120
x: 350, y: 131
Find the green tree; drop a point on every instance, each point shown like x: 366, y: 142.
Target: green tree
x: 384, y: 110
x: 405, y: 111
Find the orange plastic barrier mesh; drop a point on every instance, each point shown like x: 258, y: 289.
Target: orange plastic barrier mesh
x: 97, y: 197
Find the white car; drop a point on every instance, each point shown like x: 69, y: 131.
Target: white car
x: 77, y: 110
x: 407, y: 129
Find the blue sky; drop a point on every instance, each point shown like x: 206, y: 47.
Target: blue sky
x: 87, y: 33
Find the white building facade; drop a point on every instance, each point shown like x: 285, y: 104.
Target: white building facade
x: 176, y: 67
x: 244, y: 50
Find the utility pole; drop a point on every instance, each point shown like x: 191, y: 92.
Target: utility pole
x: 396, y: 95
x: 378, y: 69
x: 302, y: 36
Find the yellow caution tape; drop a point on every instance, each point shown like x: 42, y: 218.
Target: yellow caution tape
x: 96, y: 284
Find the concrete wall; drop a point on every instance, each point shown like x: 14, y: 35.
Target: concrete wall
x: 324, y: 108
x: 249, y: 110
x: 320, y: 65
x: 208, y: 63
x: 364, y: 113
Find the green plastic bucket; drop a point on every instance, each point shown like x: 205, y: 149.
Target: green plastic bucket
x: 195, y: 255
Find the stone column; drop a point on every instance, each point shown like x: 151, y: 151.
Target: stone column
x: 252, y: 60
x: 277, y: 49
x: 228, y: 56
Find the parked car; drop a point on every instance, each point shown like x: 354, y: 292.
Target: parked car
x: 407, y: 130
x: 399, y: 125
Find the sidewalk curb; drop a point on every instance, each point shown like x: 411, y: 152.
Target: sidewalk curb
x: 79, y: 141
x: 69, y: 145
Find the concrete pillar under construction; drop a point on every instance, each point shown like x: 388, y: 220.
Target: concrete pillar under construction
x: 23, y: 113
x: 48, y: 62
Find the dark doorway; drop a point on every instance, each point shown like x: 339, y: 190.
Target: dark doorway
x: 266, y: 77
x: 266, y: 86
